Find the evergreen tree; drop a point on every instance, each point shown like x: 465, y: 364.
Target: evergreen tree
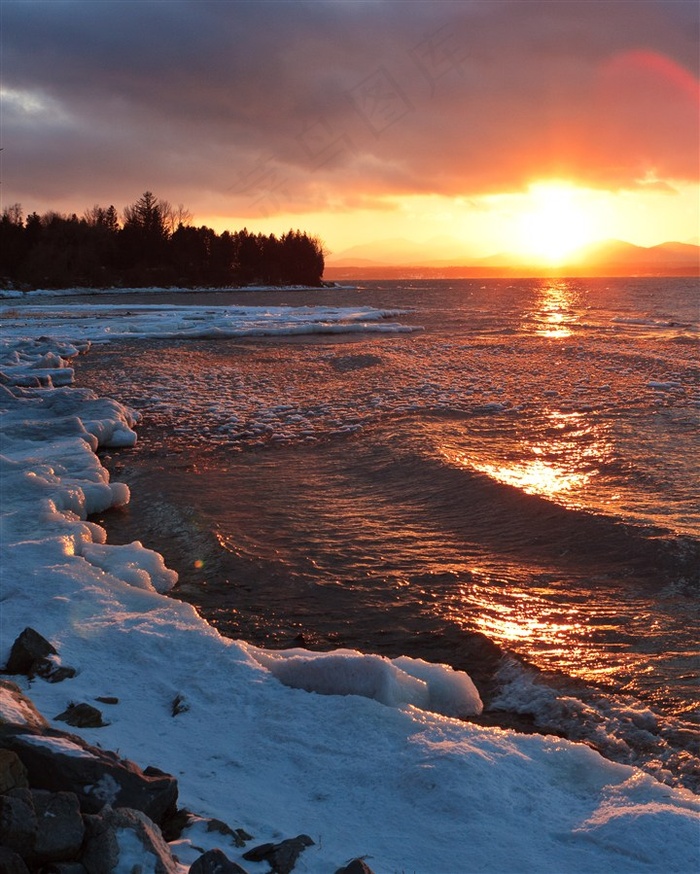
x: 155, y: 246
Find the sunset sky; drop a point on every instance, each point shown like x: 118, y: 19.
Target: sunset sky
x: 531, y: 127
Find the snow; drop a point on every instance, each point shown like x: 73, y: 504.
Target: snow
x: 60, y: 745
x: 378, y: 765
x: 132, y: 855
x: 14, y: 709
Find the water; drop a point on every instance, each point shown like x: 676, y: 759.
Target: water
x: 526, y: 467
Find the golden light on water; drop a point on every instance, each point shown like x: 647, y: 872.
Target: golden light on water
x: 531, y: 473
x: 562, y: 462
x: 536, y: 477
x: 554, y: 313
x: 522, y: 618
x: 530, y: 619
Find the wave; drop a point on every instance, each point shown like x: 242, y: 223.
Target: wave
x: 478, y: 510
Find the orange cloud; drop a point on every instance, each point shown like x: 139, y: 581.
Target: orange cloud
x: 243, y: 108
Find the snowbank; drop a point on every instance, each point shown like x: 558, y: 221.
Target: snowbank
x: 394, y: 682
x: 376, y: 765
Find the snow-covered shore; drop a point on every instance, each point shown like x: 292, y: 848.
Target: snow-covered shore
x: 379, y: 765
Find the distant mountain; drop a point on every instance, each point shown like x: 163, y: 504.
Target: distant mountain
x: 682, y: 251
x: 445, y: 256
x: 399, y: 250
x: 640, y: 259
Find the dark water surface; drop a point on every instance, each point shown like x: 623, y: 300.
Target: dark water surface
x: 524, y: 468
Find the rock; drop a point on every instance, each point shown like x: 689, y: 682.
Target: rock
x: 239, y: 835
x: 13, y: 774
x: 11, y: 862
x: 81, y: 716
x: 54, y: 673
x: 60, y: 827
x: 33, y: 655
x: 58, y: 761
x: 215, y: 862
x: 107, y: 699
x: 41, y: 826
x: 281, y: 857
x: 64, y: 868
x: 357, y: 866
x: 116, y: 837
x: 28, y: 649
x: 18, y: 824
x: 179, y: 705
x: 17, y: 709
x: 174, y: 824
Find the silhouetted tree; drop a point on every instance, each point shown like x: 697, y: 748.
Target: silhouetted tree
x: 12, y: 242
x: 174, y: 216
x: 142, y: 241
x: 156, y: 245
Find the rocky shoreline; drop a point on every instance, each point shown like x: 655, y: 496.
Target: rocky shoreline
x: 70, y: 807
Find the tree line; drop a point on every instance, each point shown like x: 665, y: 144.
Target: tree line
x: 151, y: 244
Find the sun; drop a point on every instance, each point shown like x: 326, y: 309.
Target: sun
x: 556, y: 220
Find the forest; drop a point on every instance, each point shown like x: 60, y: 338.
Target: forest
x: 150, y: 244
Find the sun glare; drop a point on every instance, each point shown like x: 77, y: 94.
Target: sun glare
x: 555, y: 222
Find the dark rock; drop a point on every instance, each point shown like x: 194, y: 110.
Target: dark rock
x: 260, y: 853
x: 281, y: 857
x: 357, y: 866
x: 41, y: 826
x: 81, y: 716
x: 152, y: 771
x: 18, y: 824
x: 179, y: 705
x: 215, y: 862
x: 53, y: 673
x: 13, y: 774
x: 60, y: 828
x: 107, y: 699
x: 32, y: 655
x: 64, y: 868
x: 29, y: 649
x: 105, y: 840
x: 58, y: 761
x: 173, y: 825
x: 11, y: 862
x: 239, y: 835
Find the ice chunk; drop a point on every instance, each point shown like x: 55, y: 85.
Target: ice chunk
x: 396, y: 683
x: 133, y: 563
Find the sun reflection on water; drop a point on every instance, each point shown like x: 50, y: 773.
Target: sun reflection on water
x: 560, y: 458
x: 554, y: 313
x: 536, y: 476
x: 532, y: 621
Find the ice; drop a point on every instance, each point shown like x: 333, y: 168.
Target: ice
x: 397, y: 682
x: 450, y: 692
x: 132, y: 563
x: 104, y: 322
x: 619, y: 726
x: 393, y: 777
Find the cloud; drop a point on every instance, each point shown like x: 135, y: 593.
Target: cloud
x: 243, y: 107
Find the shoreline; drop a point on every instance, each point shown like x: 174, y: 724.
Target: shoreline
x: 172, y: 526
x: 176, y: 533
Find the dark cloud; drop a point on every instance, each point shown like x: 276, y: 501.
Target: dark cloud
x: 237, y: 107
